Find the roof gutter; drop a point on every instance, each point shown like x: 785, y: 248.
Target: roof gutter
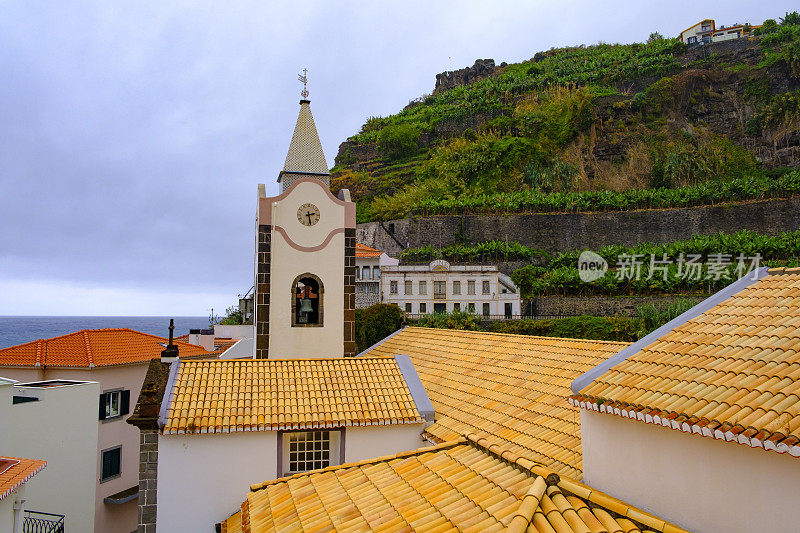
x: 166, y: 401
x: 421, y: 400
x: 589, y: 376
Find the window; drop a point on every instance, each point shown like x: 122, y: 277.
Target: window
x: 376, y: 272
x: 456, y: 287
x: 112, y: 463
x: 408, y: 307
x: 408, y: 287
x: 692, y: 40
x: 307, y: 301
x: 358, y: 272
x: 508, y: 309
x: 456, y: 307
x: 439, y: 308
x: 114, y: 404
x: 439, y: 289
x: 471, y: 287
x: 470, y: 307
x: 485, y: 287
x: 486, y: 309
x: 373, y: 289
x: 392, y: 287
x: 423, y: 308
x: 423, y: 287
x: 307, y: 450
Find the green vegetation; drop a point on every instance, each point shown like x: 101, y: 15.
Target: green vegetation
x: 375, y: 323
x: 484, y: 252
x: 604, y: 127
x: 233, y: 317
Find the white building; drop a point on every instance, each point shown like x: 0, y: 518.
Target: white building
x: 55, y: 420
x: 706, y: 31
x: 369, y: 262
x: 444, y: 288
x: 700, y: 420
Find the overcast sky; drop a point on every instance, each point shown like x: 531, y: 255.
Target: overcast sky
x: 133, y: 134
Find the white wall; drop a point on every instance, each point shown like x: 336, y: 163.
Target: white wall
x: 203, y: 479
x: 368, y: 442
x: 245, y: 331
x: 702, y: 484
x: 61, y: 428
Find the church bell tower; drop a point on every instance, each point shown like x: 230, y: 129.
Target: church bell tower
x: 305, y: 256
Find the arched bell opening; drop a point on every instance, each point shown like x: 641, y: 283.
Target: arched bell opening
x: 307, y: 301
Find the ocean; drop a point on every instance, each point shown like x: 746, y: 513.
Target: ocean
x: 19, y: 329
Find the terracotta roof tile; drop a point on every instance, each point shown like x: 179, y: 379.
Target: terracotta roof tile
x: 271, y: 394
x: 15, y: 471
x: 511, y: 389
x: 92, y: 347
x: 363, y: 250
x: 456, y: 486
x: 732, y: 372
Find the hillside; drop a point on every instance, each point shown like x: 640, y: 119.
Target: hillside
x: 599, y: 127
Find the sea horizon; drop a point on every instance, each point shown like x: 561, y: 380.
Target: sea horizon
x: 19, y: 329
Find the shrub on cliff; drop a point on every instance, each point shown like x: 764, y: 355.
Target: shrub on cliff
x: 398, y: 140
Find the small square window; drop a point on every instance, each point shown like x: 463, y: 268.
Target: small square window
x: 112, y: 463
x: 456, y: 307
x: 308, y: 450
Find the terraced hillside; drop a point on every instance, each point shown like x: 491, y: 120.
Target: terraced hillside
x: 604, y: 127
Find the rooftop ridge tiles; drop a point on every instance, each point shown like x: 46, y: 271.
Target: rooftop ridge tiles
x: 88, y: 348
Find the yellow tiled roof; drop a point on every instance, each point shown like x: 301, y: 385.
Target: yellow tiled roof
x: 732, y: 373
x: 460, y: 485
x: 272, y: 394
x: 512, y: 389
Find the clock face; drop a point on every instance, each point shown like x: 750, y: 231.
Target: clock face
x: 308, y: 214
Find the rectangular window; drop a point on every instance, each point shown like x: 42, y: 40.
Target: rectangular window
x: 408, y: 288
x: 114, y: 403
x: 373, y: 289
x: 423, y: 287
x: 308, y: 450
x: 365, y: 274
x: 376, y: 272
x: 471, y: 287
x: 408, y: 307
x: 439, y: 289
x: 112, y: 463
x: 358, y: 272
x: 485, y: 287
x: 456, y: 307
x: 423, y: 308
x: 471, y: 307
x: 392, y: 287
x: 486, y: 309
x: 456, y: 287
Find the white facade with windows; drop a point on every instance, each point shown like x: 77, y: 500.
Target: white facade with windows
x: 443, y: 288
x: 369, y: 262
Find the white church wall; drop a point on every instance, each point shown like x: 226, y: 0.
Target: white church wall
x: 702, y: 484
x: 367, y: 442
x: 203, y: 479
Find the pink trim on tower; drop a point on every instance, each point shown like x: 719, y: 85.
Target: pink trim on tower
x: 265, y: 204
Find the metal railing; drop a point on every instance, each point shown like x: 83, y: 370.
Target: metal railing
x: 479, y: 316
x: 39, y: 522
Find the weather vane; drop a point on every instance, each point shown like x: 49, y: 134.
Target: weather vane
x: 304, y: 78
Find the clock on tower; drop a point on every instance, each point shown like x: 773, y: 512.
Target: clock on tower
x: 305, y: 257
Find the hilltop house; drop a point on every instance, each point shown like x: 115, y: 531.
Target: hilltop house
x: 117, y: 360
x: 14, y: 474
x: 706, y: 31
x: 440, y: 287
x: 700, y: 420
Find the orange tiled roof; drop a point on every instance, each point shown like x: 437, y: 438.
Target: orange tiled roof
x: 510, y: 388
x: 732, y: 373
x: 91, y: 348
x: 272, y: 394
x: 363, y: 250
x: 15, y: 471
x: 460, y: 485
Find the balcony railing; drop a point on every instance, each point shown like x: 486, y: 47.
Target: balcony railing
x: 480, y: 316
x: 39, y: 522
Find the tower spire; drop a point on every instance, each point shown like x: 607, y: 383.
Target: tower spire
x: 305, y: 157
